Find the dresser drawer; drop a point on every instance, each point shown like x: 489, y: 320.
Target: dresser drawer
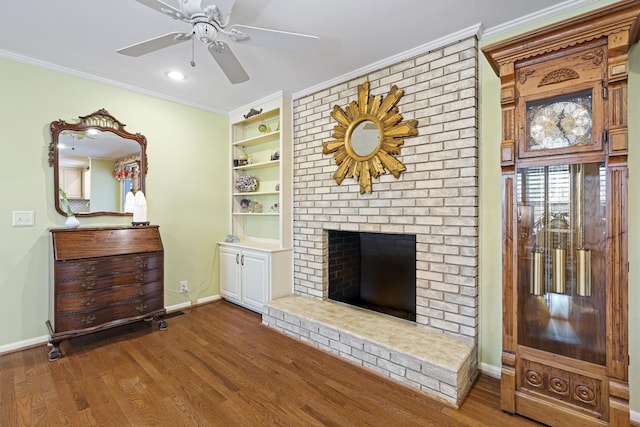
x: 93, y: 283
x: 76, y: 302
x: 67, y: 271
x: 98, y: 316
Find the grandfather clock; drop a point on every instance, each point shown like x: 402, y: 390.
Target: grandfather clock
x: 564, y: 181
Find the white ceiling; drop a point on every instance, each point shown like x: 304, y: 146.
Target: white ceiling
x: 82, y: 36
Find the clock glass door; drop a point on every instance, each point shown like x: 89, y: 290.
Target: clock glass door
x: 561, y: 233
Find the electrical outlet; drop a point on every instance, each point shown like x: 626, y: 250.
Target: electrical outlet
x: 184, y: 286
x: 22, y: 219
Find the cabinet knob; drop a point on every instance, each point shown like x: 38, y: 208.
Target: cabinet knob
x: 88, y: 286
x: 88, y: 320
x: 89, y: 302
x: 141, y: 307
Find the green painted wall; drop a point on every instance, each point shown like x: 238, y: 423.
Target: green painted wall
x: 186, y: 186
x: 491, y: 215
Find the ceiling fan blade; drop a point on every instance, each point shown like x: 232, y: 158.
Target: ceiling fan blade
x: 154, y: 44
x: 159, y: 5
x: 273, y: 39
x: 228, y: 62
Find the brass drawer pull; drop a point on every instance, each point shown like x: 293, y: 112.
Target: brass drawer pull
x: 88, y: 320
x: 88, y: 286
x: 140, y: 277
x: 140, y: 292
x: 90, y: 270
x: 141, y: 307
x: 89, y: 302
x: 141, y: 263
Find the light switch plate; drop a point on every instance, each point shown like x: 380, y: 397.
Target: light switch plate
x: 23, y: 219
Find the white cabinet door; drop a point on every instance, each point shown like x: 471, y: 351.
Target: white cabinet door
x: 247, y: 275
x: 255, y: 278
x: 230, y: 273
x: 71, y: 182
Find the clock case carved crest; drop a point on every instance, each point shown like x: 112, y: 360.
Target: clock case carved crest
x: 564, y: 181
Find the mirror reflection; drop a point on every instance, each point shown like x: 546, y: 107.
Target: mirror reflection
x: 365, y: 138
x: 96, y: 163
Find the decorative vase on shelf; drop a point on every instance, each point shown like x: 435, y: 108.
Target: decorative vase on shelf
x: 72, y: 222
x: 246, y: 183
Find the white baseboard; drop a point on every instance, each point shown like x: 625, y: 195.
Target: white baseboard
x: 183, y: 305
x: 492, y: 371
x: 21, y: 345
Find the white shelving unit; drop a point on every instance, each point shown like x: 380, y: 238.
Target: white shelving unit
x: 264, y: 226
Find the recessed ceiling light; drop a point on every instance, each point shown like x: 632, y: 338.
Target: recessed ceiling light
x: 175, y: 75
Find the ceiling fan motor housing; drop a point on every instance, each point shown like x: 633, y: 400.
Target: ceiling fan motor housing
x: 205, y: 32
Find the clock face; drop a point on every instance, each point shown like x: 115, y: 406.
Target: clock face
x: 559, y: 122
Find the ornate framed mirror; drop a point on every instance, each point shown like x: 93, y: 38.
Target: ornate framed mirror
x: 368, y: 134
x: 96, y: 162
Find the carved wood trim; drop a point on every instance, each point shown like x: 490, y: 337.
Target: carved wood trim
x: 596, y: 55
x: 618, y: 21
x: 617, y: 112
x: 507, y: 388
x: 559, y: 76
x: 507, y: 146
x: 617, y: 272
x: 523, y: 75
x: 509, y: 301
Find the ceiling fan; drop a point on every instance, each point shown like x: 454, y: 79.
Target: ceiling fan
x: 208, y: 22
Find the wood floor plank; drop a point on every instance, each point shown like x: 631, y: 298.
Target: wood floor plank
x: 217, y: 365
x: 8, y: 400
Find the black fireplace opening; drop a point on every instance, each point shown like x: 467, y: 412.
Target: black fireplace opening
x: 375, y: 271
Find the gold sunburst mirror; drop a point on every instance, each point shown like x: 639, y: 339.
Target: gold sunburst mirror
x: 368, y: 135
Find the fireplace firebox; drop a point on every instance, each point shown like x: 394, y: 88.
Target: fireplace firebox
x: 375, y: 271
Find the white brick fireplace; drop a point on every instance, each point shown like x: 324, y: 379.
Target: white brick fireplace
x: 435, y: 199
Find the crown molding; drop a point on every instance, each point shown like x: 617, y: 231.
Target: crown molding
x: 472, y: 31
x: 549, y: 12
x: 86, y: 76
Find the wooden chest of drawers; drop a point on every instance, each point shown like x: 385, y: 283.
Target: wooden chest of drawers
x: 102, y: 278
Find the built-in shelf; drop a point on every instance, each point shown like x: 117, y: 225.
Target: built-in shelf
x: 258, y: 193
x: 257, y: 140
x: 257, y: 213
x: 261, y: 165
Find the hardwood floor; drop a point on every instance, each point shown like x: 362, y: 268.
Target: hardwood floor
x: 217, y: 365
